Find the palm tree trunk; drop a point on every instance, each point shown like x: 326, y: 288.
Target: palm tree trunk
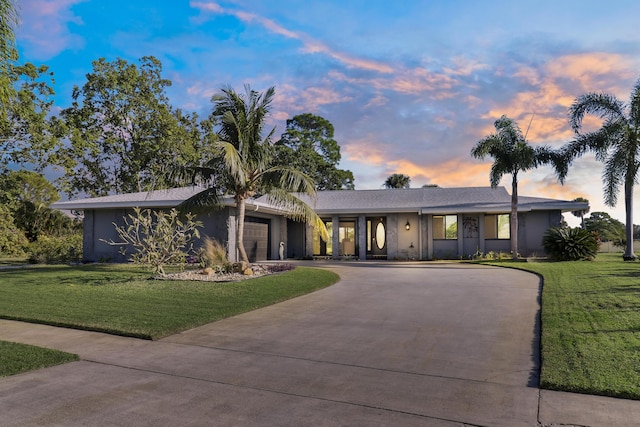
x: 240, y: 204
x: 514, y: 216
x: 628, y: 205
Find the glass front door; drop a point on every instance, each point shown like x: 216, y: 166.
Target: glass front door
x: 377, y: 237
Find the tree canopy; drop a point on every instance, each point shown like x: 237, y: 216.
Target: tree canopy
x: 26, y: 136
x: 397, y: 180
x: 123, y: 132
x: 308, y: 144
x: 608, y: 229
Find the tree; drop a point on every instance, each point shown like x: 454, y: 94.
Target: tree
x: 616, y: 143
x: 580, y: 214
x: 511, y: 155
x: 8, y: 52
x: 397, y: 180
x: 308, y: 145
x: 27, y: 195
x: 248, y: 164
x: 608, y: 229
x: 26, y: 134
x: 123, y: 131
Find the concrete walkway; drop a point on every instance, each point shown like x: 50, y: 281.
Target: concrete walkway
x: 397, y: 344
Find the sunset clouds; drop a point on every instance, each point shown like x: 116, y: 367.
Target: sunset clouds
x: 409, y: 86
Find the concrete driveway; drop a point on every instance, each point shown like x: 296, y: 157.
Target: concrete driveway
x: 390, y: 344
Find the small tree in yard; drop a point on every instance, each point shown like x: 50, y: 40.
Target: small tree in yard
x: 158, y: 238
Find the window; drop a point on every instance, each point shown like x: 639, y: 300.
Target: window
x: 497, y: 226
x: 347, y: 237
x: 445, y: 226
x: 320, y: 247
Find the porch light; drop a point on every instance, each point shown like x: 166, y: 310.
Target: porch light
x: 407, y: 226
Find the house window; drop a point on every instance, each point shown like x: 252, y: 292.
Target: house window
x: 320, y: 247
x: 347, y: 237
x: 445, y: 226
x: 497, y: 226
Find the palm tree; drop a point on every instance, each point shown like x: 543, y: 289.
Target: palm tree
x: 616, y: 144
x: 397, y: 180
x: 580, y: 214
x: 8, y: 53
x: 512, y: 154
x: 247, y: 164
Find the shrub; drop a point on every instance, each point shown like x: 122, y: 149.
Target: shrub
x: 213, y: 254
x: 13, y: 241
x: 158, y: 238
x: 56, y: 249
x: 570, y: 244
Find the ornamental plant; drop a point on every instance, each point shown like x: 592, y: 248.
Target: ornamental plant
x: 157, y: 238
x: 570, y: 244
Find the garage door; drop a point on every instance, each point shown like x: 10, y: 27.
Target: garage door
x: 256, y: 241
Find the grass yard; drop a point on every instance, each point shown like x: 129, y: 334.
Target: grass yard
x: 119, y: 299
x: 590, y: 325
x: 16, y: 358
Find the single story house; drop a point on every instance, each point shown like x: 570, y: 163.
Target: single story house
x: 414, y: 223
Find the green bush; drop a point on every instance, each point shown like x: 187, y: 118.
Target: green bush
x: 13, y: 241
x: 56, y: 249
x: 570, y: 244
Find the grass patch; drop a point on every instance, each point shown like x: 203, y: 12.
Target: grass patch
x: 119, y: 299
x: 590, y: 325
x: 17, y: 358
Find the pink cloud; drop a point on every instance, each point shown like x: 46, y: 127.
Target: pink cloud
x: 310, y: 45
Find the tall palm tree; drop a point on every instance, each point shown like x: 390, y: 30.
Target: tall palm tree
x: 397, y: 180
x: 616, y: 144
x: 8, y: 21
x: 511, y: 155
x: 246, y: 160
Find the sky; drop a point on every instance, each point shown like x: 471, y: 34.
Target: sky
x: 410, y: 86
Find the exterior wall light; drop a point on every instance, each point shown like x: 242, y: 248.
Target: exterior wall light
x: 407, y: 226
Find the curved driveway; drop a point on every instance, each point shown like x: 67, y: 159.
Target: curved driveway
x: 390, y: 344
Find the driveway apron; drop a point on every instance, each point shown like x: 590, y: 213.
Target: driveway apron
x: 390, y: 344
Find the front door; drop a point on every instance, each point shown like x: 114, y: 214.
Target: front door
x: 377, y: 237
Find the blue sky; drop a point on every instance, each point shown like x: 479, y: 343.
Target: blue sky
x: 410, y: 86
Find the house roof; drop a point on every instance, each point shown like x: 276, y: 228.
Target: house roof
x: 429, y: 200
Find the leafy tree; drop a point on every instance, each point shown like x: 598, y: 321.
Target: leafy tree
x: 511, y: 155
x: 27, y: 195
x: 12, y: 239
x: 26, y: 134
x: 616, y: 143
x: 8, y: 53
x: 308, y: 145
x: 248, y: 159
x: 124, y: 132
x: 397, y: 180
x: 580, y: 214
x: 608, y: 229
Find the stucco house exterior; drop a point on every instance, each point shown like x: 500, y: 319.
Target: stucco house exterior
x: 415, y: 223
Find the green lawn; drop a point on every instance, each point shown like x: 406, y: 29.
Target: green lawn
x: 590, y: 325
x: 119, y: 299
x: 16, y: 358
